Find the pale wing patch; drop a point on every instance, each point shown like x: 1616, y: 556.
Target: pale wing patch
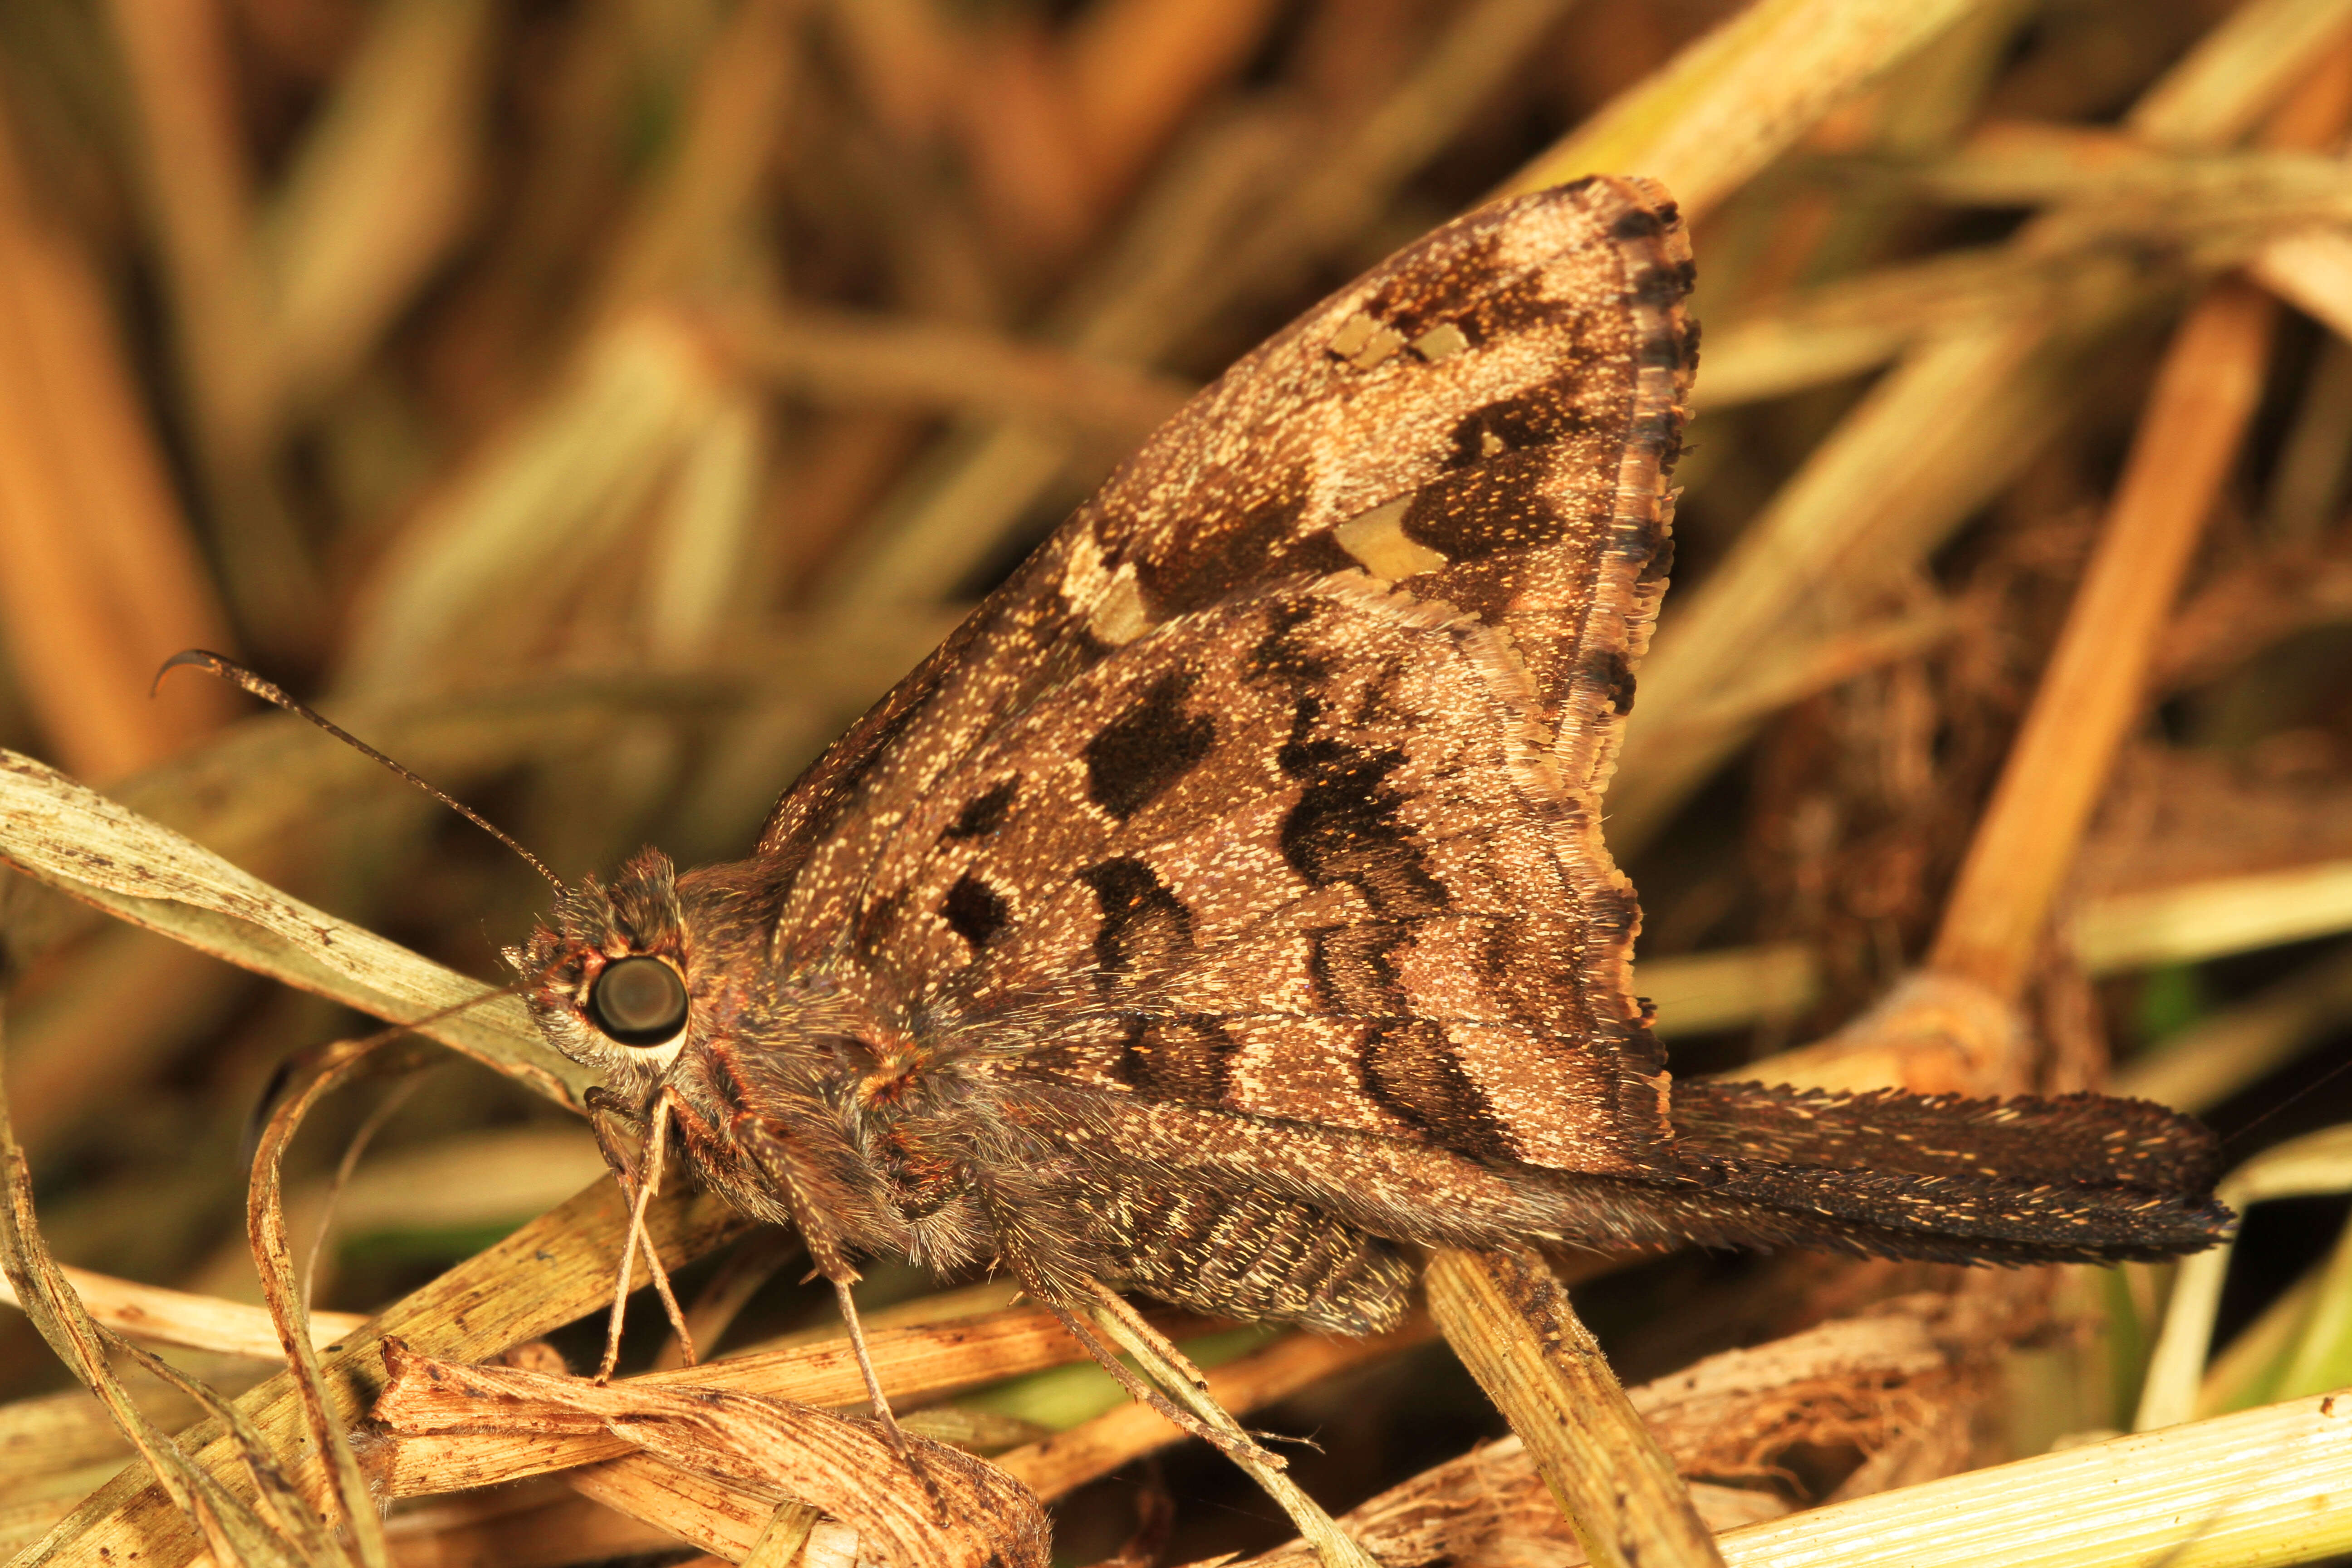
x: 1377, y: 539
x: 1364, y: 341
x: 1120, y: 618
x: 1111, y: 601
x: 1441, y: 343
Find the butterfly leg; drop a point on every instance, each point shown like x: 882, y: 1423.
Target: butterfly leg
x: 1052, y: 1262
x: 638, y: 1189
x: 603, y: 1104
x: 827, y: 1246
x: 1174, y: 1371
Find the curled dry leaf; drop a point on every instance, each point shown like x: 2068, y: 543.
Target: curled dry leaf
x: 936, y: 1507
x: 430, y: 1442
x: 552, y: 1271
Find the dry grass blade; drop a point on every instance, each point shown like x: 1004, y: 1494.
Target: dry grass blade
x: 1702, y: 991
x: 552, y: 1271
x: 2237, y: 1492
x: 429, y: 1424
x: 1884, y: 1381
x: 2313, y: 272
x: 1933, y: 440
x: 199, y: 184
x: 526, y: 1527
x: 103, y: 579
x: 1930, y: 442
x: 78, y: 841
x: 2317, y: 1162
x: 1734, y: 100
x: 937, y: 1507
x: 1782, y: 679
x: 2209, y: 918
x: 786, y: 1532
x: 482, y: 572
x: 233, y: 1530
x: 379, y: 192
x: 1056, y: 1465
x: 1258, y: 214
x: 1510, y: 1322
x: 266, y: 1231
x: 299, y: 1530
x: 2232, y: 1492
x: 2095, y: 686
x: 598, y: 406
x: 1162, y: 1363
x: 1832, y: 332
x: 2231, y: 1047
x: 691, y: 1506
x: 2218, y: 91
x: 835, y: 356
x: 158, y: 1316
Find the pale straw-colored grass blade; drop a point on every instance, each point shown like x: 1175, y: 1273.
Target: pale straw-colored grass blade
x: 381, y: 188
x: 552, y: 1271
x: 80, y: 842
x: 2316, y: 1162
x: 1741, y: 96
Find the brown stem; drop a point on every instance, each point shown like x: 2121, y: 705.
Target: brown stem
x: 2092, y: 692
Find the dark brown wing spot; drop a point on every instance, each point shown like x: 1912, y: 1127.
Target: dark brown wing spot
x: 983, y: 814
x: 1224, y: 550
x: 1346, y: 826
x: 1637, y: 223
x: 1142, y: 922
x: 1498, y: 505
x: 1281, y: 656
x: 1351, y: 968
x: 1608, y: 669
x: 1139, y: 756
x: 1513, y: 424
x: 1409, y: 1070
x: 975, y: 910
x: 1664, y: 285
x: 1184, y: 1060
x: 1463, y: 287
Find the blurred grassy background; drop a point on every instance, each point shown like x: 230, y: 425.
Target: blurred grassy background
x: 597, y: 403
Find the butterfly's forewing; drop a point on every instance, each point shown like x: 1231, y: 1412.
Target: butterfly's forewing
x: 1272, y: 781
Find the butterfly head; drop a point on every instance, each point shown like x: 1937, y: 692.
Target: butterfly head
x: 612, y: 975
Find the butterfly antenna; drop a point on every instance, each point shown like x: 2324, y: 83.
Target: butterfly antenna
x: 269, y: 691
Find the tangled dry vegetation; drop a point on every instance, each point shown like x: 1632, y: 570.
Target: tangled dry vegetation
x: 596, y: 403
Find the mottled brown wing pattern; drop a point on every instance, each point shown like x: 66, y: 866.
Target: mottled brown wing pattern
x: 1307, y: 866
x: 1273, y: 779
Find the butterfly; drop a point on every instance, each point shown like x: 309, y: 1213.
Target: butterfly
x: 1223, y: 912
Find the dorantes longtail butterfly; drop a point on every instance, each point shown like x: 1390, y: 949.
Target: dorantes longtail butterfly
x: 1223, y: 912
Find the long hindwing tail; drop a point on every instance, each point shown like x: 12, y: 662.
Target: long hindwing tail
x: 2087, y: 1138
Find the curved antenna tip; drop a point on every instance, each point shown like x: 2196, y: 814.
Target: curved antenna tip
x: 236, y: 675
x: 205, y: 658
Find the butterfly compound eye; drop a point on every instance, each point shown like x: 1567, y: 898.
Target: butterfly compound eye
x: 638, y: 1002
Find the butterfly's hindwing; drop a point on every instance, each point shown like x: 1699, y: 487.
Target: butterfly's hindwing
x: 1272, y: 781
